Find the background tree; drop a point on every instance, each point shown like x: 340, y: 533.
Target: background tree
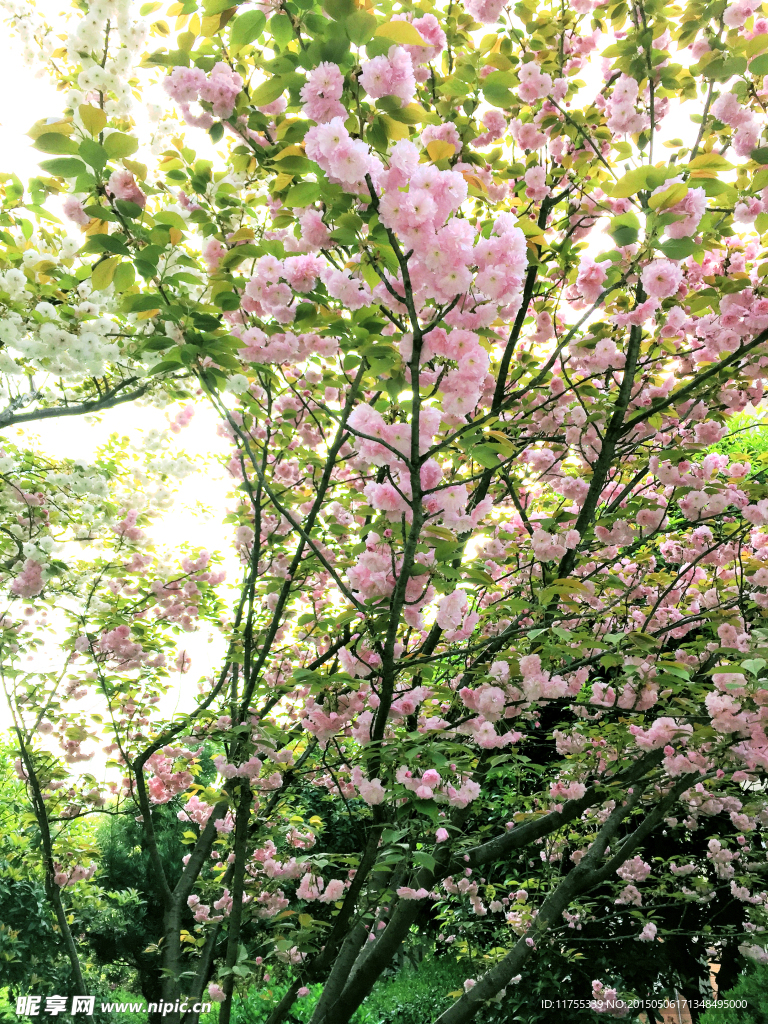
x: 469, y: 395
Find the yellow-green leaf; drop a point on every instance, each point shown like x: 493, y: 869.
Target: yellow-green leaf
x: 710, y: 162
x: 758, y: 44
x: 401, y: 32
x: 440, y: 150
x: 268, y: 91
x: 63, y: 125
x: 94, y: 118
x: 118, y: 145
x: 124, y: 277
x: 411, y: 114
x: 529, y: 227
x: 102, y: 273
x: 55, y: 142
x: 395, y: 129
x: 139, y: 170
x: 669, y: 197
x: 630, y: 184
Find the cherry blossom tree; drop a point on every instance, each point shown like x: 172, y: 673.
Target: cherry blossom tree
x: 471, y: 317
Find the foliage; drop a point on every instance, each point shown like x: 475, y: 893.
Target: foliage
x: 753, y: 987
x: 747, y: 437
x: 412, y: 995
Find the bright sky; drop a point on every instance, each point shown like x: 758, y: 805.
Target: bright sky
x: 27, y: 99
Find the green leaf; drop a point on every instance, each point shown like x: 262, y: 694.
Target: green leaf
x: 479, y: 576
x: 360, y: 27
x: 124, y: 277
x: 64, y: 167
x: 496, y: 88
x: 679, y: 248
x: 759, y: 155
x: 55, y: 142
x: 227, y: 301
x: 303, y: 194
x: 720, y: 70
x: 754, y: 665
x: 339, y: 9
x: 759, y: 65
x: 165, y: 366
x: 93, y: 154
x: 218, y: 7
x: 624, y: 229
x: 128, y: 209
x: 486, y: 455
x: 118, y: 145
x: 176, y: 58
x: 142, y: 303
x: 269, y: 91
x: 295, y: 164
x: 505, y: 78
x: 498, y: 96
x: 246, y: 28
x: 281, y: 29
x: 102, y: 213
x: 106, y: 243
x: 171, y: 219
x: 333, y: 49
x: 715, y: 187
x: 417, y: 569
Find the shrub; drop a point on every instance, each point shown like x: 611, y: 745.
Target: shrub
x: 752, y: 987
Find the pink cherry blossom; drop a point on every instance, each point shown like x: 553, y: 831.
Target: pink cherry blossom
x: 322, y: 93
x: 122, y: 185
x: 661, y: 278
x: 390, y: 76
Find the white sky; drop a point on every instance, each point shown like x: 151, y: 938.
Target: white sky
x: 27, y: 99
